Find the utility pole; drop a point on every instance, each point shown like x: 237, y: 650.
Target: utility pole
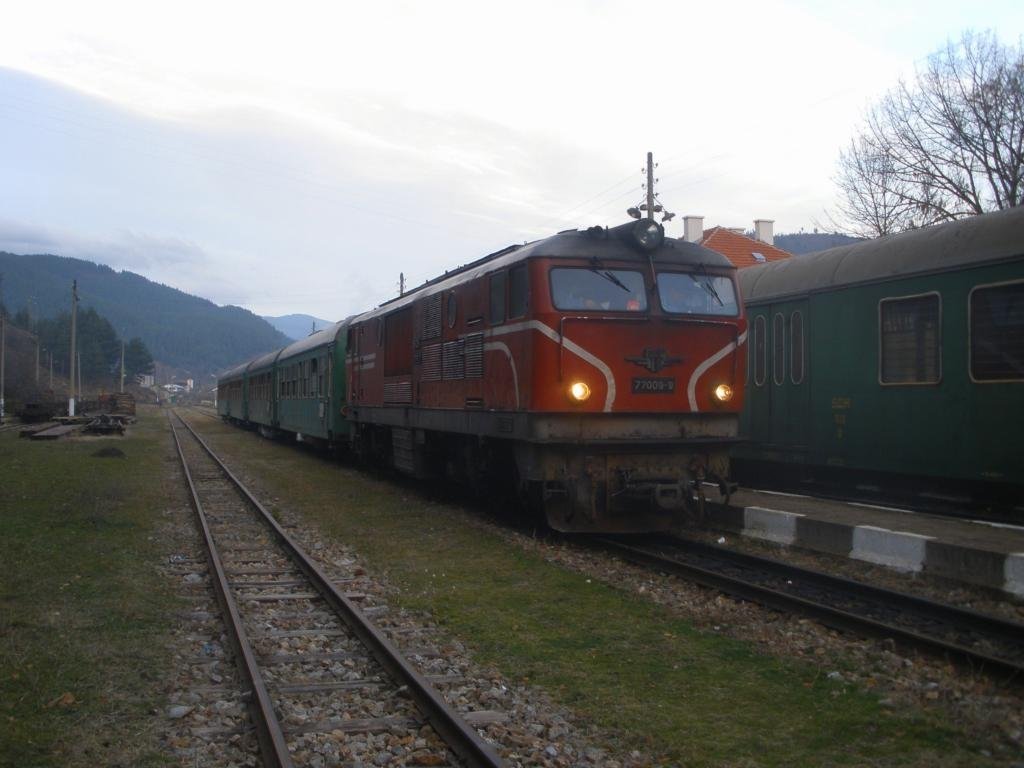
x: 71, y: 367
x: 650, y: 186
x: 31, y: 303
x: 401, y: 283
x: 81, y: 392
x: 3, y: 358
x: 122, y: 367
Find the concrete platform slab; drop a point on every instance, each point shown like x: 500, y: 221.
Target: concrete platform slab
x: 896, y: 549
x: 974, y: 552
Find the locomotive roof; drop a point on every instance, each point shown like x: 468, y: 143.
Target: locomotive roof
x: 978, y: 239
x: 597, y: 242
x: 319, y: 338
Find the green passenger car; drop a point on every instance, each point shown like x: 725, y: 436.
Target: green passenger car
x: 310, y: 386
x: 259, y: 390
x: 891, y: 362
x: 231, y: 394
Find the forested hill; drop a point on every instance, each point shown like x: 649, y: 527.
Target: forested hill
x: 812, y: 242
x: 180, y: 330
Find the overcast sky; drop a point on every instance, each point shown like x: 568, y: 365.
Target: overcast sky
x: 298, y: 157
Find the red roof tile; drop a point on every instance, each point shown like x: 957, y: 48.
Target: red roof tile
x: 740, y: 249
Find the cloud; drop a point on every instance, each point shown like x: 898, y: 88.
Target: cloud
x: 133, y: 251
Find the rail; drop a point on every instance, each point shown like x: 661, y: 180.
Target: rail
x: 464, y: 741
x: 852, y: 606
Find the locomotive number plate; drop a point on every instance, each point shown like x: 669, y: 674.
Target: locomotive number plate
x: 654, y: 385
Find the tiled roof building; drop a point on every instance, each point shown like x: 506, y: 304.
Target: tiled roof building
x: 741, y: 250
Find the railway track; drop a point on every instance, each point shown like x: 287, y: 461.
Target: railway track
x: 256, y: 568
x: 984, y: 643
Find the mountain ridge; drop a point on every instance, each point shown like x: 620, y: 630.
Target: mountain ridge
x: 182, y: 331
x: 297, y: 326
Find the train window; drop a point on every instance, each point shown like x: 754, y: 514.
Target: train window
x: 909, y: 343
x: 453, y: 309
x: 614, y: 290
x: 760, y: 361
x: 518, y: 291
x: 779, y: 349
x: 497, y: 313
x: 997, y: 332
x: 688, y: 293
x: 796, y: 347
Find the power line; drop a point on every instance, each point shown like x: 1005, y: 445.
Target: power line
x: 585, y: 202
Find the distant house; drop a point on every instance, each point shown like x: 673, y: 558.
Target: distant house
x: 741, y: 250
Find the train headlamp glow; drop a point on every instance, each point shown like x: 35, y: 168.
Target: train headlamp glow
x: 648, y: 234
x: 723, y: 392
x: 579, y: 391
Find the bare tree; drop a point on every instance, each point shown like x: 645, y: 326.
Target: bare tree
x: 947, y: 145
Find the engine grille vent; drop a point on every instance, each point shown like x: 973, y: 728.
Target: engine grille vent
x: 474, y: 355
x: 431, y: 363
x: 397, y: 392
x: 432, y: 318
x: 453, y: 357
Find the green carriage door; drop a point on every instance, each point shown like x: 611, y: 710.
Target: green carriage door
x: 759, y: 389
x: 323, y: 387
x: 787, y: 377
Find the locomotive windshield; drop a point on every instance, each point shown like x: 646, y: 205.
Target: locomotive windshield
x: 692, y: 293
x: 597, y: 288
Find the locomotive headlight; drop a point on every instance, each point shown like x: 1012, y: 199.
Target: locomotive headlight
x: 579, y: 391
x: 648, y: 234
x: 723, y: 392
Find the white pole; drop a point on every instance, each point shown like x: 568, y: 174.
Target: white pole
x: 3, y: 359
x: 71, y: 367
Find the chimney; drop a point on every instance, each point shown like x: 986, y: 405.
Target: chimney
x: 693, y: 228
x: 763, y: 230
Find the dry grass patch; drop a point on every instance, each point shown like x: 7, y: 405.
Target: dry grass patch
x: 82, y: 609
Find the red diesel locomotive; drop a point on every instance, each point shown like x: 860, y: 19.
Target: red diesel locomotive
x: 599, y: 372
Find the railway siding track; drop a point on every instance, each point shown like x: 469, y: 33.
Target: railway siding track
x: 982, y: 642
x: 272, y: 594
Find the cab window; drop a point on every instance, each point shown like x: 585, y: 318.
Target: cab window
x: 598, y: 289
x: 518, y: 291
x: 497, y: 308
x: 690, y: 293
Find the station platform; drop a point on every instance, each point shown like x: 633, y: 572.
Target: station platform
x: 977, y: 552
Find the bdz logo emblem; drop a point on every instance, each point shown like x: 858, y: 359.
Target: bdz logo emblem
x: 654, y: 360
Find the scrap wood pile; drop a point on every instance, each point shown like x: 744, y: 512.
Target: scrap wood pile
x: 108, y: 424
x: 122, y: 403
x: 103, y: 424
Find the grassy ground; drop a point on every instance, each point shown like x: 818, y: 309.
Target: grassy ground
x: 82, y: 609
x: 624, y: 664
